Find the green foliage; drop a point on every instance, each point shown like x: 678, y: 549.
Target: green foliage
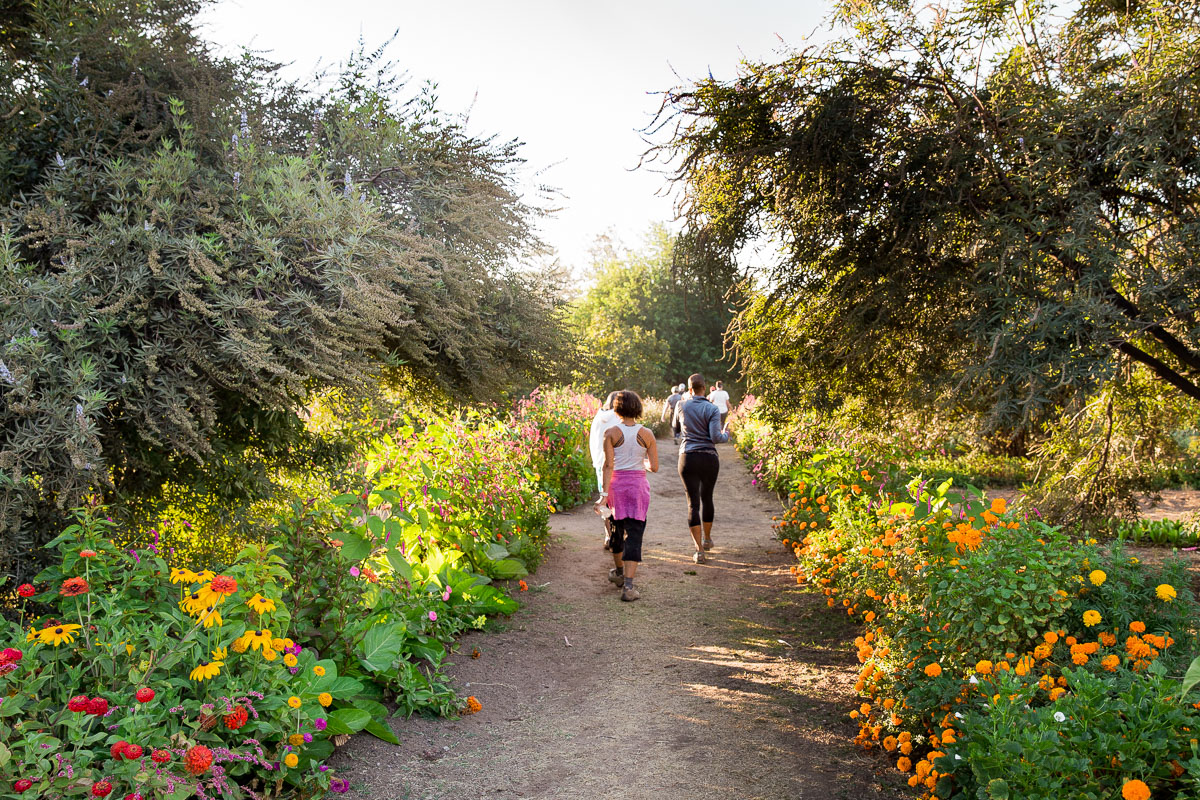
x: 646, y: 323
x: 1157, y: 531
x: 197, y: 248
x: 992, y: 206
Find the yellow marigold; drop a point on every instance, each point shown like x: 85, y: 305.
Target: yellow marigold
x: 325, y: 698
x: 1135, y: 790
x: 294, y: 701
x: 291, y: 759
x: 1057, y: 692
x: 1166, y: 593
x: 1091, y: 617
x: 1097, y: 577
x: 933, y: 669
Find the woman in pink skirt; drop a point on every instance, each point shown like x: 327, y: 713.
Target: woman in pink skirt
x: 629, y: 450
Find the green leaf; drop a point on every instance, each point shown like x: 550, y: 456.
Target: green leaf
x: 353, y: 718
x: 380, y: 647
x: 496, y: 551
x: 1191, y: 677
x: 345, y: 499
x: 5, y: 756
x: 381, y: 731
x: 375, y: 525
x: 355, y: 547
x: 998, y: 789
x: 508, y: 568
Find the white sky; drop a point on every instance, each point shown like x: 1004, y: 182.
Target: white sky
x: 574, y: 81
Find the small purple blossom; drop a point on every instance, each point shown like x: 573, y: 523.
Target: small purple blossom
x: 319, y: 723
x: 339, y: 785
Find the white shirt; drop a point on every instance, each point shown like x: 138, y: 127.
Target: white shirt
x: 720, y: 399
x: 605, y: 418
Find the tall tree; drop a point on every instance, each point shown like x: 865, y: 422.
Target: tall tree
x: 999, y: 201
x: 189, y: 247
x: 650, y: 318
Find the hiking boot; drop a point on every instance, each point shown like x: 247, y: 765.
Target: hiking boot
x: 629, y: 594
x: 707, y: 543
x: 616, y: 576
x: 699, y: 557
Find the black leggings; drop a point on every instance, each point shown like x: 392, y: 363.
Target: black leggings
x: 626, y: 538
x: 699, y: 472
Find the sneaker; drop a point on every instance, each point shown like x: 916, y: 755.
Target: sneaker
x: 699, y: 557
x: 616, y: 576
x: 630, y: 594
x: 708, y: 543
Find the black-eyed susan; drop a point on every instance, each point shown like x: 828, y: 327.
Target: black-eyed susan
x: 293, y: 701
x: 253, y: 639
x: 220, y: 653
x: 211, y: 616
x: 205, y: 575
x: 193, y: 604
x: 260, y: 604
x: 181, y: 575
x: 205, y: 670
x: 57, y: 634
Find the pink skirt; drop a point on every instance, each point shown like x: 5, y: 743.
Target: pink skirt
x: 630, y: 494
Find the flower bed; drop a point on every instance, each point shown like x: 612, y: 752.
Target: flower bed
x: 131, y: 675
x: 1000, y: 657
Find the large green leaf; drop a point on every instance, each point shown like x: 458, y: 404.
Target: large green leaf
x: 355, y: 547
x: 508, y: 568
x: 380, y: 647
x: 353, y: 718
x: 381, y: 731
x: 1191, y: 677
x: 400, y: 564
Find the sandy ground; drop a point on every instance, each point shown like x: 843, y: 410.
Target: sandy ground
x: 724, y: 681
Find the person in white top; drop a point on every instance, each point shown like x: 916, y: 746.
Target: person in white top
x: 605, y: 418
x: 720, y: 398
x: 629, y: 450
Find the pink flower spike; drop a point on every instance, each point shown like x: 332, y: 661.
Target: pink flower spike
x: 433, y: 616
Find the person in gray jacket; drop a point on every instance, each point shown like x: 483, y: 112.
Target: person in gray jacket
x: 701, y: 432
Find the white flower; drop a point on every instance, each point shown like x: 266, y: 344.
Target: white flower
x: 958, y: 715
x: 973, y: 679
x: 346, y: 181
x: 1060, y: 716
x: 84, y: 83
x: 58, y: 159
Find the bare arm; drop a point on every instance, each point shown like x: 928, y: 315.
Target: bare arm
x: 651, y: 444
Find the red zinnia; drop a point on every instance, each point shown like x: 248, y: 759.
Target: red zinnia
x: 74, y: 586
x: 10, y: 654
x: 26, y: 590
x: 133, y: 796
x: 97, y: 706
x: 101, y: 789
x: 198, y: 759
x: 160, y: 756
x: 132, y: 752
x: 87, y: 553
x: 145, y: 694
x: 223, y: 584
x: 78, y: 703
x: 236, y: 718
x: 22, y: 785
x: 118, y: 749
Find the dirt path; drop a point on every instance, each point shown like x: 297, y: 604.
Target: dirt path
x: 723, y: 681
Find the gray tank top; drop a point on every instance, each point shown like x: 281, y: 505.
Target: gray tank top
x: 630, y: 454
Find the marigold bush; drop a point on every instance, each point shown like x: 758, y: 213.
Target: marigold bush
x: 999, y: 657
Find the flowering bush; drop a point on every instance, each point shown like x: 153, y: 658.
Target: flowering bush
x: 1000, y: 658
x: 126, y: 674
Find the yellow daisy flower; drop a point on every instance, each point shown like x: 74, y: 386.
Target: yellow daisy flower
x: 255, y: 639
x: 179, y: 575
x: 211, y: 616
x: 58, y: 634
x: 205, y: 670
x: 260, y: 604
x: 220, y: 653
x: 193, y: 605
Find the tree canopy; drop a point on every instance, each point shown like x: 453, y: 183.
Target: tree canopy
x: 649, y: 320
x: 994, y: 203
x: 190, y: 247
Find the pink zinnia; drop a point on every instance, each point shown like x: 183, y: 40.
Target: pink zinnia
x: 433, y: 616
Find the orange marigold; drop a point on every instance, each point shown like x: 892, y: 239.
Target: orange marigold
x: 933, y: 669
x: 473, y: 705
x: 1135, y: 790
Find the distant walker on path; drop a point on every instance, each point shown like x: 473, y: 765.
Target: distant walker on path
x: 629, y: 450
x: 720, y: 398
x: 700, y: 423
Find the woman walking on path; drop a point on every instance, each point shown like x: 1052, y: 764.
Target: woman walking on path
x: 629, y: 449
x: 700, y: 422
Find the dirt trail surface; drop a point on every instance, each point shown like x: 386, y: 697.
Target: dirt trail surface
x: 723, y: 681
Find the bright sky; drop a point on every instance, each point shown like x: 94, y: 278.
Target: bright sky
x: 575, y: 81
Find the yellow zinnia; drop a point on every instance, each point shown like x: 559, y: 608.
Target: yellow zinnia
x: 205, y: 670
x: 319, y: 671
x: 58, y: 634
x: 270, y: 654
x: 296, y: 739
x: 294, y: 701
x: 325, y: 698
x: 260, y: 604
x: 290, y: 660
x: 291, y: 759
x: 281, y: 644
